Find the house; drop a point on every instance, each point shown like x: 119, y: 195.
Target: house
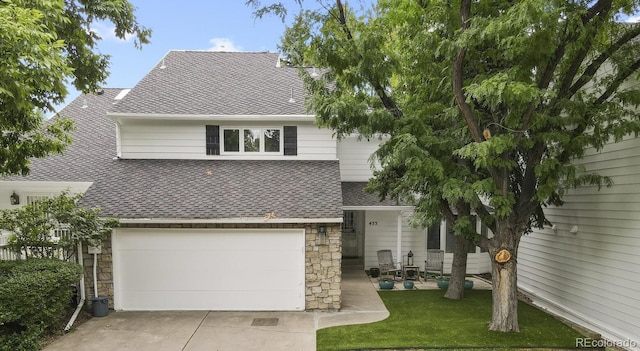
x: 229, y: 195
x: 587, y: 267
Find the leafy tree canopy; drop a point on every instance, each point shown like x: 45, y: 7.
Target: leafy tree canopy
x: 482, y: 101
x: 43, y: 45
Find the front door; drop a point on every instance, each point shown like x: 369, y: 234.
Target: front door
x: 352, y: 234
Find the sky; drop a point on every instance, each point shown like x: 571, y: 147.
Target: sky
x: 222, y: 25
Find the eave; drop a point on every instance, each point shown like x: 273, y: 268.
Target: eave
x: 122, y: 117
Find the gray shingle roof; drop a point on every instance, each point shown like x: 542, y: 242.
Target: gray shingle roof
x: 217, y: 83
x: 93, y: 145
x: 184, y: 189
x: 202, y: 189
x: 353, y: 194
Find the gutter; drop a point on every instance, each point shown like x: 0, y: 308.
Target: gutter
x: 264, y: 220
x: 82, y: 292
x: 119, y: 117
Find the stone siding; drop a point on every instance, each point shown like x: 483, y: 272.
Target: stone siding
x: 323, y: 261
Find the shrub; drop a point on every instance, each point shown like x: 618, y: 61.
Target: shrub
x: 33, y: 224
x: 34, y: 295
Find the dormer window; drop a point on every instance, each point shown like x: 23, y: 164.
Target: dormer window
x: 251, y: 140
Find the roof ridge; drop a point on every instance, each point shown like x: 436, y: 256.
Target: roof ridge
x: 222, y: 52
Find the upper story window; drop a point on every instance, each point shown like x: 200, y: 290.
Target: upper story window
x: 249, y: 140
x: 252, y: 140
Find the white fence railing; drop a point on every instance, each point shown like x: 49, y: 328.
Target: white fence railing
x: 6, y: 254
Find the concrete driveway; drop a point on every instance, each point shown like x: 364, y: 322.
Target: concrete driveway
x: 207, y: 330
x: 196, y: 330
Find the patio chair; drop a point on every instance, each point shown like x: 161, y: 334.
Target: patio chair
x: 387, y: 264
x: 434, y: 262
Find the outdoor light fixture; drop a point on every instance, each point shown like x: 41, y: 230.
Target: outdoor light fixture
x: 322, y: 234
x: 14, y: 199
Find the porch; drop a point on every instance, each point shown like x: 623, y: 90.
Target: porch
x: 367, y: 229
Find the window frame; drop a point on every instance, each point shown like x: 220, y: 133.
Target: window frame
x: 241, y: 146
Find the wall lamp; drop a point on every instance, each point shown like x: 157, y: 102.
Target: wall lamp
x: 322, y: 234
x: 14, y: 199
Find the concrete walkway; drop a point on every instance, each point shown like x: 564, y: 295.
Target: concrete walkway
x: 203, y: 330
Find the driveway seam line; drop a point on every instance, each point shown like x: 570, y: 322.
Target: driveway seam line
x: 195, y: 331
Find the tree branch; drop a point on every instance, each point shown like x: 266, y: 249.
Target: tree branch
x: 620, y: 78
x: 474, y: 128
x: 388, y: 102
x: 593, y: 67
x: 445, y: 208
x: 601, y: 8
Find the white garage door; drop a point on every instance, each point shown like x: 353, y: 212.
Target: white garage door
x: 209, y: 269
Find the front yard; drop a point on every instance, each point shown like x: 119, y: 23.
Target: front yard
x: 425, y: 319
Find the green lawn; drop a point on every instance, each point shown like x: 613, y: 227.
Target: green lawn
x: 425, y: 319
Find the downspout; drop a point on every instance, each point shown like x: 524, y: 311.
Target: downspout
x: 82, y: 292
x: 95, y: 274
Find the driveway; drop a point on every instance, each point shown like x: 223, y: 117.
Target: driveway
x: 207, y: 330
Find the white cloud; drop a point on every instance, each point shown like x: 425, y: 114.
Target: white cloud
x: 634, y: 19
x: 223, y: 44
x: 106, y: 31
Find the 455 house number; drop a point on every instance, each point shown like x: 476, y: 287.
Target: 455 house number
x: 373, y: 223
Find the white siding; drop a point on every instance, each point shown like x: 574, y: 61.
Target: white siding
x: 381, y: 232
x: 186, y: 140
x: 354, y: 157
x: 27, y: 188
x: 592, y: 276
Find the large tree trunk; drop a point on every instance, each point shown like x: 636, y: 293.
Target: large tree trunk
x: 504, y: 271
x: 455, y: 291
x: 505, y: 297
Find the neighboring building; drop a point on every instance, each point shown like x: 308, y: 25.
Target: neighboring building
x: 229, y: 195
x: 587, y: 268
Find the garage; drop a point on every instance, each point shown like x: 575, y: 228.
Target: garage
x: 209, y: 269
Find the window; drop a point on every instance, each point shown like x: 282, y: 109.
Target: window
x: 433, y: 237
x: 272, y: 140
x: 252, y: 140
x: 231, y: 140
x: 60, y: 232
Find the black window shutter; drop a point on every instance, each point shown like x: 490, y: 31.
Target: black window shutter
x: 291, y: 140
x: 213, y: 140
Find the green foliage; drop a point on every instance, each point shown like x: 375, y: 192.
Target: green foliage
x: 43, y: 45
x: 33, y: 297
x: 542, y: 80
x: 33, y: 224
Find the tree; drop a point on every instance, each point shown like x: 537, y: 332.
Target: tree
x: 484, y: 103
x: 33, y: 225
x: 43, y: 45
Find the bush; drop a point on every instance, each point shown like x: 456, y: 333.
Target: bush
x: 34, y: 295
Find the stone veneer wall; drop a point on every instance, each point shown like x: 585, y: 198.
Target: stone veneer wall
x: 323, y: 261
